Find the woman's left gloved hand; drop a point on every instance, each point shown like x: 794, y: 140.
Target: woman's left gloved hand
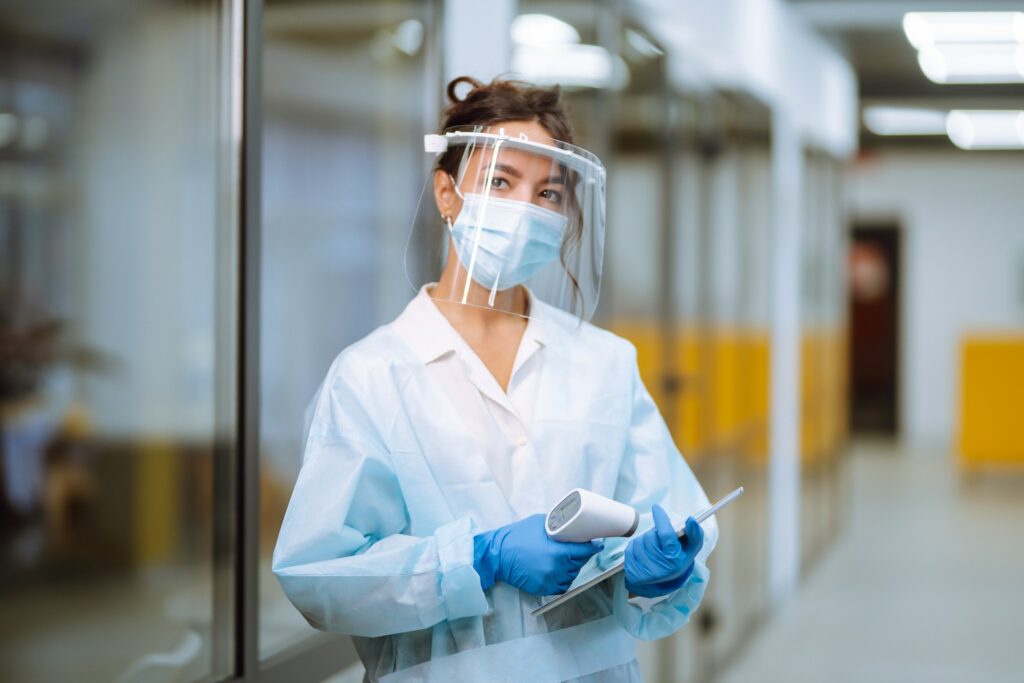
x: 658, y: 563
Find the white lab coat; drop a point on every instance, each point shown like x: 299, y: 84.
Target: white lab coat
x: 412, y: 448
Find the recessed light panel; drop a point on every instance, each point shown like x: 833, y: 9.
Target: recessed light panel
x: 968, y: 47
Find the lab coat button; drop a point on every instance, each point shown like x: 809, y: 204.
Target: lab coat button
x: 522, y: 441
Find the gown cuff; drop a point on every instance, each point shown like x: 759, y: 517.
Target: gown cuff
x: 460, y: 583
x: 659, y: 617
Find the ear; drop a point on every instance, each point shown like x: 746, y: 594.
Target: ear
x: 448, y: 202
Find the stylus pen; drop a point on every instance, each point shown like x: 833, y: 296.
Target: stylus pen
x: 612, y: 571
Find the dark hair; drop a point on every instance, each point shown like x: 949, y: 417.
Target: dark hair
x: 500, y: 100
x: 506, y: 100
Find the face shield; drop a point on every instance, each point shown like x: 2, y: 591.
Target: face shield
x: 507, y: 219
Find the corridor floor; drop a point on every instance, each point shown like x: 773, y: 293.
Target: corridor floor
x: 925, y: 583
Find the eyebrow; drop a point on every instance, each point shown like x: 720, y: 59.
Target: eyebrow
x: 514, y: 172
x: 505, y: 168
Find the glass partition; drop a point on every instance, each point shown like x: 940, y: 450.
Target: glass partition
x: 118, y: 308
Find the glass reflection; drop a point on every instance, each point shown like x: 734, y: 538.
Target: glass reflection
x: 347, y: 90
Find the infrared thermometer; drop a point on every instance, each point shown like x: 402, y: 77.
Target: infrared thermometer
x: 583, y: 515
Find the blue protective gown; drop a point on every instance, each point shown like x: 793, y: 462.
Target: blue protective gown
x: 377, y: 541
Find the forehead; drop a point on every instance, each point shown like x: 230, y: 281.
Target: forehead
x: 529, y: 164
x: 510, y: 160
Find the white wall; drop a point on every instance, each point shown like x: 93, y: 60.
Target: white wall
x: 963, y: 265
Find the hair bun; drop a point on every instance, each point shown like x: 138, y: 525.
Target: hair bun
x: 504, y: 100
x: 473, y: 85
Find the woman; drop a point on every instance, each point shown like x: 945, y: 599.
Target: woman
x: 437, y: 442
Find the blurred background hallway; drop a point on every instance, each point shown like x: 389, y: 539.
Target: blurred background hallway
x: 922, y: 585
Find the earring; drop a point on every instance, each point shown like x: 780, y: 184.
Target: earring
x: 447, y: 220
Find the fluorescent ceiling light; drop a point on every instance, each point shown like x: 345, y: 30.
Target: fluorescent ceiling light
x: 968, y: 47
x: 542, y: 29
x: 584, y: 66
x: 973, y: 63
x: 408, y: 37
x: 548, y: 51
x: 929, y: 28
x: 980, y: 129
x: 884, y: 120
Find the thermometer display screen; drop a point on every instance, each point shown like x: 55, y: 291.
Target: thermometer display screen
x: 565, y: 510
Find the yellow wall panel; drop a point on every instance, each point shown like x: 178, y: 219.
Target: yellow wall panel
x: 723, y: 400
x: 823, y: 392
x: 691, y: 410
x: 757, y: 370
x: 992, y: 400
x: 727, y: 417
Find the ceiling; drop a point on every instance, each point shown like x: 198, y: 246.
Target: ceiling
x: 870, y: 34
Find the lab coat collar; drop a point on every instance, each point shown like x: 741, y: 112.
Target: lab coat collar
x: 429, y: 334
x: 425, y: 330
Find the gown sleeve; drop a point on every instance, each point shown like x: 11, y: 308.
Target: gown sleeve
x: 344, y: 556
x: 654, y: 471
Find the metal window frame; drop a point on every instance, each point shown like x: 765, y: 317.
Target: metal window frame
x: 228, y: 299
x: 246, y: 641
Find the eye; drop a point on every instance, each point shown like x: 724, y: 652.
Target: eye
x: 499, y: 183
x: 553, y: 196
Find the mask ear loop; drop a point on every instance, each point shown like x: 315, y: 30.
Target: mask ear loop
x: 446, y: 217
x: 455, y: 186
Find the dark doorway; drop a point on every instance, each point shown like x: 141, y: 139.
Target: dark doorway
x: 874, y: 267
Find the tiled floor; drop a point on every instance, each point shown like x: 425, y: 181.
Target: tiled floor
x: 926, y: 583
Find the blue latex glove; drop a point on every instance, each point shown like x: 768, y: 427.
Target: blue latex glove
x: 658, y: 563
x: 522, y: 554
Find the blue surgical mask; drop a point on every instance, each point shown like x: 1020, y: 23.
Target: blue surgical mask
x: 514, y: 242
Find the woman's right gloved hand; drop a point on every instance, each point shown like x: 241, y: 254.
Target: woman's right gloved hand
x: 521, y: 554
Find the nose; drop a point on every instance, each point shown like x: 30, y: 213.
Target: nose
x: 523, y: 192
